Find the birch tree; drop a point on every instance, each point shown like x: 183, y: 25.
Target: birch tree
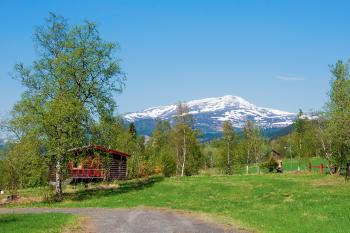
x: 69, y: 85
x: 299, y: 135
x: 338, y: 108
x: 230, y: 140
x: 184, y: 122
x: 252, y: 143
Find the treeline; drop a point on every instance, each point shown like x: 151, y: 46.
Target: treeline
x: 171, y: 149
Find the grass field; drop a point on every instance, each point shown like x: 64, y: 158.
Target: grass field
x: 267, y: 203
x: 35, y: 223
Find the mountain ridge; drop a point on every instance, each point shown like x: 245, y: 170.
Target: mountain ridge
x: 210, y: 113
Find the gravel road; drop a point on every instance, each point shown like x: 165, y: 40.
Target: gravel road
x: 143, y: 220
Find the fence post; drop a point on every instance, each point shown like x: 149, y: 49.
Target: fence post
x: 321, y: 168
x: 309, y: 167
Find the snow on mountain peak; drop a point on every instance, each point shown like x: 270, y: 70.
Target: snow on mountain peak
x: 213, y: 104
x: 211, y: 112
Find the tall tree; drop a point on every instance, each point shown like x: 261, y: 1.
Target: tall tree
x: 252, y: 143
x: 184, y: 122
x: 69, y: 85
x: 339, y: 111
x: 132, y: 131
x: 230, y: 140
x: 299, y: 128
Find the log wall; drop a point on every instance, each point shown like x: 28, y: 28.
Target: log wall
x: 118, y: 168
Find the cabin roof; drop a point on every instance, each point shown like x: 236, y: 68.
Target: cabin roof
x: 276, y: 152
x: 99, y: 148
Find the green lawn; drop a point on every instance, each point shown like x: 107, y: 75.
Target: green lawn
x: 35, y: 223
x: 268, y: 203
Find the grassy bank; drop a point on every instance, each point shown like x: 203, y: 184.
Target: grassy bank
x: 35, y: 223
x: 268, y: 203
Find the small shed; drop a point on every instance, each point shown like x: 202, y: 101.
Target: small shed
x: 278, y: 157
x: 95, y: 163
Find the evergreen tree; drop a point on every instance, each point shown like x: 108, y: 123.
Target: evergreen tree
x: 132, y: 131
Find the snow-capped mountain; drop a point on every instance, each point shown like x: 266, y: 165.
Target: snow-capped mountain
x: 210, y: 113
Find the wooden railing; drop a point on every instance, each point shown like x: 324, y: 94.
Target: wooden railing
x: 321, y: 167
x: 87, y: 173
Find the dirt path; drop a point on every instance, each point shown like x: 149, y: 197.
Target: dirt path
x: 134, y: 220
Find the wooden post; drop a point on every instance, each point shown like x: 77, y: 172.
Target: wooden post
x: 321, y: 168
x: 71, y: 166
x: 309, y: 167
x: 82, y: 169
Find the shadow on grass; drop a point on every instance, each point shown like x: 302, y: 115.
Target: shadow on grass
x: 124, y: 187
x: 7, y: 219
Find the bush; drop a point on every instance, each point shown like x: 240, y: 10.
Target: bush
x: 169, y: 166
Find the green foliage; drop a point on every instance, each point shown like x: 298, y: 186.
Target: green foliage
x: 160, y: 148
x: 168, y: 161
x: 252, y: 144
x: 132, y: 131
x: 229, y: 158
x: 211, y: 155
x: 22, y: 165
x: 175, y: 149
x: 339, y: 113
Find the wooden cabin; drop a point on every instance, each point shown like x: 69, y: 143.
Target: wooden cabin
x: 95, y: 163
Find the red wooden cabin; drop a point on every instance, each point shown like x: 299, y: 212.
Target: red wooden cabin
x: 95, y: 162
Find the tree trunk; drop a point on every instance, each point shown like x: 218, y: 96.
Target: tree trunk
x: 299, y: 155
x: 58, y: 185
x: 184, y: 155
x: 228, y: 156
x: 248, y: 159
x: 178, y: 160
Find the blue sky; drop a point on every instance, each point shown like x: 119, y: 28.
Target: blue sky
x: 272, y: 53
